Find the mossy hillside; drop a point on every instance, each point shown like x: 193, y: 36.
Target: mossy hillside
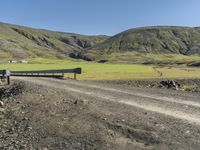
x: 20, y: 42
x: 183, y: 41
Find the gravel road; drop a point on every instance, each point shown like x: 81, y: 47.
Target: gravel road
x: 121, y: 117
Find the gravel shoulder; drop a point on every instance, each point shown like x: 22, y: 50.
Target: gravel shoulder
x: 39, y: 113
x: 187, y: 85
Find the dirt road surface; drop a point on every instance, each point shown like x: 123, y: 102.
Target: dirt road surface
x: 68, y: 114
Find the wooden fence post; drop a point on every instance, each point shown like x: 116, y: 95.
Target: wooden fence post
x: 8, y: 80
x: 74, y: 76
x: 8, y: 76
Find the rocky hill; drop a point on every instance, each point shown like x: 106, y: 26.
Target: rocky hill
x: 20, y: 42
x: 23, y: 42
x: 154, y: 40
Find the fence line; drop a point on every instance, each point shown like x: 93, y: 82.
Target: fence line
x: 39, y: 73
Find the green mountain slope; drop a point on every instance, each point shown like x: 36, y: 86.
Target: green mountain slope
x: 148, y: 40
x: 22, y: 42
x: 149, y: 45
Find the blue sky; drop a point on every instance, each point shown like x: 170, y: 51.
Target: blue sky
x: 99, y: 16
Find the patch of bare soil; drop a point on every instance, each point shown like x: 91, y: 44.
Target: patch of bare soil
x: 188, y: 85
x: 35, y: 116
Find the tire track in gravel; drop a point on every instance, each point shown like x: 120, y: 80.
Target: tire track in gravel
x: 172, y: 107
x: 140, y: 94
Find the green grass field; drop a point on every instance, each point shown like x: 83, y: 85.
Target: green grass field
x: 96, y: 71
x: 149, y: 58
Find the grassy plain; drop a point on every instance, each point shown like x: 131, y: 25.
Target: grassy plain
x: 97, y: 71
x: 150, y: 58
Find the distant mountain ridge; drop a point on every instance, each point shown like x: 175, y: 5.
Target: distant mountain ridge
x: 20, y: 42
x: 24, y: 42
x: 155, y: 40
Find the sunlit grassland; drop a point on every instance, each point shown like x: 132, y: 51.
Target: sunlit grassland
x: 149, y: 58
x: 97, y: 71
x: 180, y: 72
